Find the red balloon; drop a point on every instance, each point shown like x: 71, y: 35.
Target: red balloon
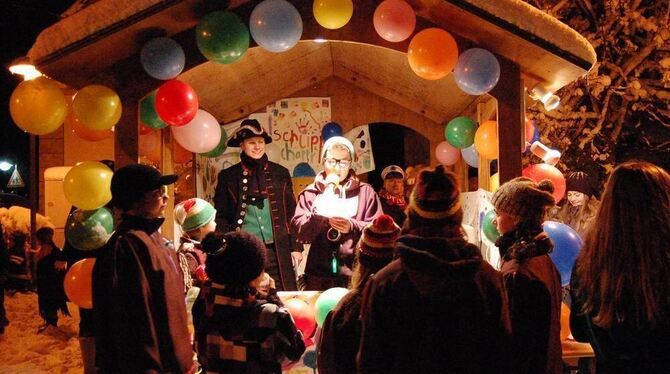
x: 144, y: 129
x: 303, y: 315
x: 538, y: 172
x: 176, y: 103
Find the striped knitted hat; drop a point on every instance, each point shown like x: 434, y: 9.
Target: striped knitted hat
x: 436, y: 196
x: 378, y: 239
x: 194, y: 213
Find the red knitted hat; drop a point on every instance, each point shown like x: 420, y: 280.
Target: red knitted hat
x: 378, y: 239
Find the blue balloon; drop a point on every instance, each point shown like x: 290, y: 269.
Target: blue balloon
x: 331, y: 129
x: 275, y: 25
x: 471, y: 156
x: 162, y: 58
x: 567, y: 245
x: 536, y: 135
x: 477, y: 71
x: 303, y: 169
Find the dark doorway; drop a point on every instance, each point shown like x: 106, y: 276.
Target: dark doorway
x: 394, y: 144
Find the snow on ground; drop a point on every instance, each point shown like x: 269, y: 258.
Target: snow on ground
x: 23, y: 350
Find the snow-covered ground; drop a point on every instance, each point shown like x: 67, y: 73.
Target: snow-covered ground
x: 23, y: 350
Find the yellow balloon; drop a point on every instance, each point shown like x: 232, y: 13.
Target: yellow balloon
x: 494, y: 182
x: 38, y: 106
x: 97, y: 107
x: 486, y: 140
x: 88, y: 185
x: 333, y: 14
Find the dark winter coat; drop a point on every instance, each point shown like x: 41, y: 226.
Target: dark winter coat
x: 534, y: 292
x: 311, y: 227
x: 395, y: 211
x: 239, y: 334
x: 439, y: 308
x: 140, y: 312
x: 341, y: 336
x: 50, y: 291
x: 621, y: 348
x: 230, y: 203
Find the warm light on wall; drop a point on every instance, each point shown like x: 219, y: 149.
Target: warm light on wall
x: 23, y: 66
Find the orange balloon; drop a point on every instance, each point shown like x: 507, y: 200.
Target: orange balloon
x: 78, y: 283
x: 432, y: 53
x: 486, y: 140
x: 150, y: 146
x: 180, y: 155
x: 84, y: 132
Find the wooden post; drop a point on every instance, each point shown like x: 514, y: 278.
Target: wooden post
x: 34, y: 185
x: 510, y: 95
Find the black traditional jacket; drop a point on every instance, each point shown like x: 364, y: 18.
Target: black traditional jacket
x: 230, y: 203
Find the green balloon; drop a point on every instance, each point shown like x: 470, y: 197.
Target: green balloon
x: 89, y: 229
x: 460, y: 132
x: 148, y: 114
x: 489, y: 228
x: 220, y: 148
x: 222, y: 37
x: 327, y: 301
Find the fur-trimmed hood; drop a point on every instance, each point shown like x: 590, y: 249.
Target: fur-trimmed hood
x: 437, y: 266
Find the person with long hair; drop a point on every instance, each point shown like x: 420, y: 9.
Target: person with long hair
x: 620, y: 285
x: 439, y: 307
x: 341, y: 331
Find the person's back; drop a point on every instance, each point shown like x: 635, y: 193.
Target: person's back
x: 620, y: 285
x: 248, y: 336
x: 236, y: 330
x: 439, y: 307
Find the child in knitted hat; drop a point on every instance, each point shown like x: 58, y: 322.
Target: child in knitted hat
x: 532, y: 282
x: 438, y: 289
x: 196, y: 218
x: 236, y: 330
x: 341, y: 329
x: 579, y: 209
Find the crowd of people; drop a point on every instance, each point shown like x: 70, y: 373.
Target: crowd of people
x: 421, y: 299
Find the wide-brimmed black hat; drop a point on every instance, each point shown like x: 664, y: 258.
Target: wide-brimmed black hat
x: 248, y: 129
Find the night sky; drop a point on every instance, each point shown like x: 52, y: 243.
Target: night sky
x: 20, y: 23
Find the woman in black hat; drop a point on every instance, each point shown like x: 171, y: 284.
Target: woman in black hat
x: 256, y: 195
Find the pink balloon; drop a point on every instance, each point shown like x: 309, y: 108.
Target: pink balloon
x: 394, y: 20
x: 200, y: 135
x: 538, y: 172
x: 447, y: 154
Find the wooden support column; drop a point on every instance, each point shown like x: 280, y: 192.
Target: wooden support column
x: 510, y: 95
x: 126, y: 136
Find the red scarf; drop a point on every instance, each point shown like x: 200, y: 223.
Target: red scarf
x: 393, y: 199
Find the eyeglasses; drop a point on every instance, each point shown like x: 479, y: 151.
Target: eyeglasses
x: 342, y: 164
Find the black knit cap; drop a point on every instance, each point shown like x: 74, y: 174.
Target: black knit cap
x: 436, y: 196
x: 248, y: 129
x: 234, y: 258
x: 523, y: 198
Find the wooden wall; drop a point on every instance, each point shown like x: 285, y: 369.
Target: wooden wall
x: 353, y: 106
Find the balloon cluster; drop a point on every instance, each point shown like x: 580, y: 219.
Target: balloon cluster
x: 40, y: 107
